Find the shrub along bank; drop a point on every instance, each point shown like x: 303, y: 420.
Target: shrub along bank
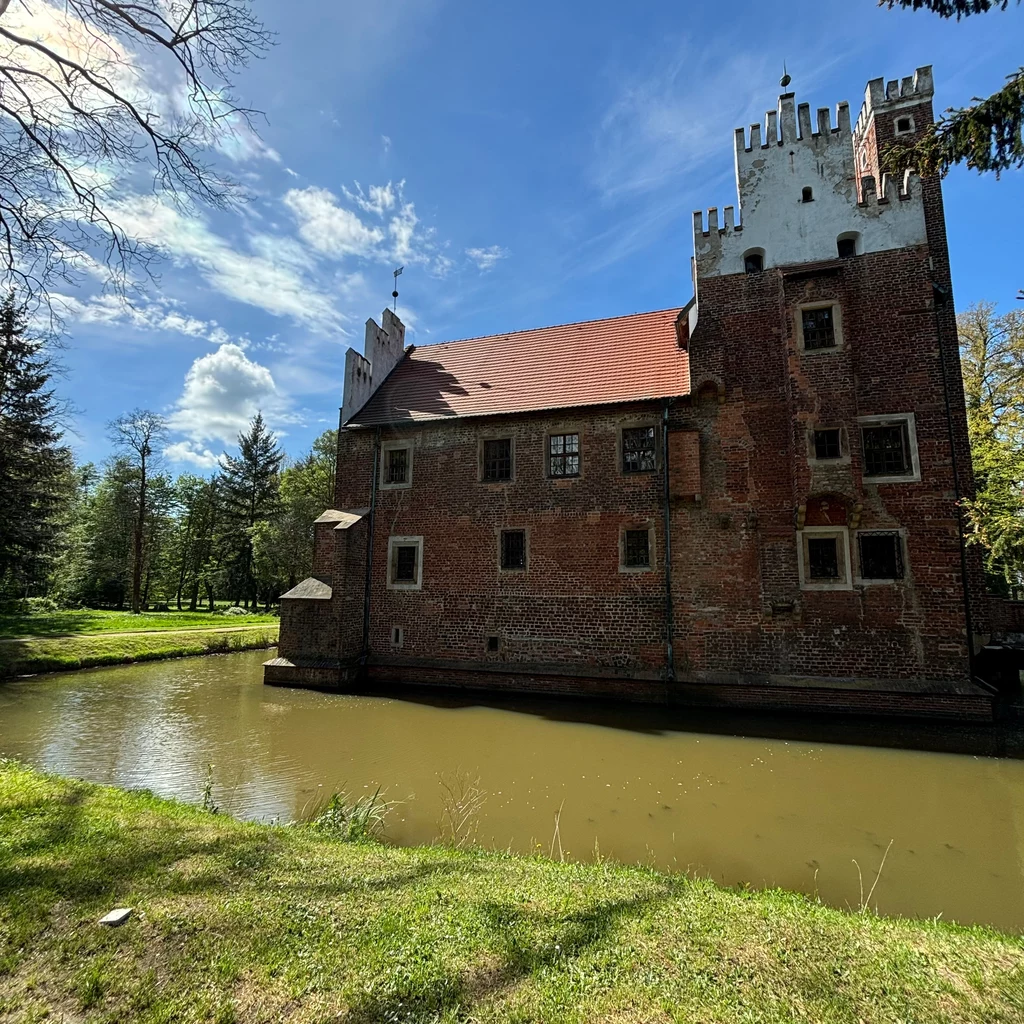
x: 57, y: 654
x: 252, y: 922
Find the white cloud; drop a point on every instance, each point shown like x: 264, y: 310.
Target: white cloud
x: 485, y: 259
x: 185, y: 451
x: 386, y: 143
x: 378, y: 199
x: 223, y: 391
x: 328, y: 227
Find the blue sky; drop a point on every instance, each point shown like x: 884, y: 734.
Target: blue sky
x: 528, y: 164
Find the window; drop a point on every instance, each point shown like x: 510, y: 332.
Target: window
x: 881, y: 556
x: 827, y: 444
x: 863, y: 159
x: 904, y: 125
x: 753, y: 263
x: 639, y: 454
x: 498, y: 460
x: 397, y: 636
x: 887, y: 449
x: 847, y: 247
x: 637, y: 549
x: 492, y: 643
x: 819, y: 329
x: 564, y: 455
x: 807, y: 196
x: 823, y: 554
x: 405, y: 563
x: 396, y: 465
x: 513, y: 549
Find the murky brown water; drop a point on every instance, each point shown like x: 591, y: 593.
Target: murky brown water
x: 761, y: 811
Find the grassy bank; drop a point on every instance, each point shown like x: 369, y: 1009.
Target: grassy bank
x: 100, y: 620
x: 20, y: 657
x: 244, y: 922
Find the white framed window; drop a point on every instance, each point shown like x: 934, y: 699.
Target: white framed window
x: 904, y: 124
x: 823, y: 558
x: 405, y: 563
x: 819, y: 327
x: 636, y: 548
x: 395, y: 465
x: 889, y: 449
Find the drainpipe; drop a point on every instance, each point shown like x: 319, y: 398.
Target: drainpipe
x: 670, y: 660
x: 369, y: 550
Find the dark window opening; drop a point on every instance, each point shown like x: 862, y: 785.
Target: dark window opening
x: 492, y: 643
x: 823, y: 558
x: 498, y: 459
x: 638, y: 549
x: 827, y: 444
x: 808, y: 195
x: 396, y: 636
x: 881, y: 556
x: 753, y: 263
x: 513, y: 549
x: 638, y: 451
x: 886, y: 450
x: 396, y: 465
x: 847, y: 247
x: 819, y: 328
x: 564, y: 455
x: 405, y: 563
x: 903, y: 124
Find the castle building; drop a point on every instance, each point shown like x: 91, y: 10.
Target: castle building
x: 751, y: 499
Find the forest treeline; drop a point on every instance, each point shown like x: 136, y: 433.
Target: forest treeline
x: 129, y: 534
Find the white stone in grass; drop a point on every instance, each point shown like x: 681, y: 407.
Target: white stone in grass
x: 116, y: 917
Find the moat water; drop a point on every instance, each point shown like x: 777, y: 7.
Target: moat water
x: 638, y: 785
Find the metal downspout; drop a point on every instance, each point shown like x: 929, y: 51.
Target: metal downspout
x: 670, y: 660
x: 369, y: 551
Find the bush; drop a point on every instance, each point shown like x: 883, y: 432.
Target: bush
x: 234, y: 610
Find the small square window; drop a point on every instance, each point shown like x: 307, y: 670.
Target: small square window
x: 822, y: 558
x: 513, y: 549
x: 564, y: 455
x: 819, y: 328
x: 639, y: 454
x: 492, y: 643
x: 498, y: 460
x: 887, y: 450
x: 396, y: 465
x: 637, y: 549
x: 847, y: 248
x: 881, y: 556
x: 827, y: 444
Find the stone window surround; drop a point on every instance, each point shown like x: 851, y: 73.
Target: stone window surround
x: 842, y: 535
x: 844, y: 446
x: 558, y: 431
x: 390, y: 446
x: 913, y: 477
x: 896, y: 124
x: 647, y: 525
x: 631, y: 424
x: 495, y: 435
x: 395, y: 542
x: 525, y: 530
x: 837, y: 326
x: 859, y: 580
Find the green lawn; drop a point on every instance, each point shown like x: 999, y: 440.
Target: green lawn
x: 58, y: 654
x: 247, y: 922
x: 94, y: 620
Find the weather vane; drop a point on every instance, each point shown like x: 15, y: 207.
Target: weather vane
x: 785, y: 79
x: 394, y: 294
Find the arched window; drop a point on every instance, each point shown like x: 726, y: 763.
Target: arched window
x: 808, y: 194
x: 753, y: 261
x: 848, y: 244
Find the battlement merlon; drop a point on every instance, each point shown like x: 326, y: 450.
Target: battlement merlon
x: 383, y: 348
x: 796, y: 126
x: 879, y: 95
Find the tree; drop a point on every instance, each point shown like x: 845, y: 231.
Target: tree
x: 78, y: 120
x: 985, y: 136
x: 249, y: 488
x: 193, y: 547
x: 32, y: 460
x: 992, y: 357
x: 138, y: 436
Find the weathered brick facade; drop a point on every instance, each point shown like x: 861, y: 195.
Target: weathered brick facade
x: 771, y: 593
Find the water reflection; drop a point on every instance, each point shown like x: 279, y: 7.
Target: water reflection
x: 631, y: 783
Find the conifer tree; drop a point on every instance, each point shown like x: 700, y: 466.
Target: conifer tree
x: 987, y: 135
x: 249, y: 488
x: 32, y: 460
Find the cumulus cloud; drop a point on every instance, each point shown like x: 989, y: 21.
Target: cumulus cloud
x: 485, y: 259
x: 328, y: 227
x: 223, y: 391
x: 195, y: 455
x: 377, y: 199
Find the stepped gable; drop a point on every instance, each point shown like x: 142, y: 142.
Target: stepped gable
x: 597, y: 362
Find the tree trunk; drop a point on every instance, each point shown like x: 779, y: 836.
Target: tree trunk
x: 140, y: 525
x: 209, y: 594
x: 194, y: 598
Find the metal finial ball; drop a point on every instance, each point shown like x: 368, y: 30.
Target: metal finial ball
x: 785, y: 80
x: 394, y: 295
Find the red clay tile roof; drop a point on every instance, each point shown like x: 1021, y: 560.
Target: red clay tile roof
x: 622, y: 359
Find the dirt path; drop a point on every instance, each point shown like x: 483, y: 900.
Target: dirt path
x: 136, y: 632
